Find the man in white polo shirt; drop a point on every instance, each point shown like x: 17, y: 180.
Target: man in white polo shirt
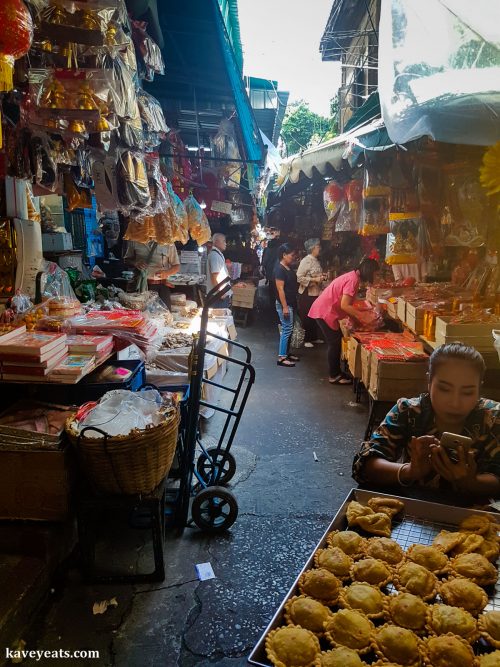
x: 217, y: 269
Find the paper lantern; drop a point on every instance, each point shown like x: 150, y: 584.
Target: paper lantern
x: 15, y: 38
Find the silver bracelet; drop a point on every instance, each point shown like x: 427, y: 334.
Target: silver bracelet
x: 400, y: 481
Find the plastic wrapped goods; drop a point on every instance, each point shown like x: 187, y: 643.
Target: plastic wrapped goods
x: 199, y: 228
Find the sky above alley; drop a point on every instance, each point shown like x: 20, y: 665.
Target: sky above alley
x: 281, y: 42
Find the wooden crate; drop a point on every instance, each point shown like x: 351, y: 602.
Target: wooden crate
x: 244, y: 297
x: 475, y: 334
x: 366, y: 361
x: 354, y: 357
x: 390, y: 380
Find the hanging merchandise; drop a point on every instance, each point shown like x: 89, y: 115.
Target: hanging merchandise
x: 76, y: 197
x: 199, y: 228
x: 404, y: 215
x: 133, y: 190
x: 350, y: 211
x: 97, y: 24
x: 490, y: 171
x: 8, y: 254
x: 43, y: 165
x: 15, y: 39
x: 376, y: 193
x: 153, y: 120
x: 150, y: 59
x: 333, y: 198
x: 225, y: 147
x: 181, y: 217
x: 465, y: 213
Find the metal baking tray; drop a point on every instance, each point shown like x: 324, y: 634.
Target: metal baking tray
x: 421, y: 522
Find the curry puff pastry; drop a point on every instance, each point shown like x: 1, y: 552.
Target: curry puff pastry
x: 489, y: 627
x: 292, y: 646
x: 364, y: 598
x: 489, y: 659
x: 478, y: 524
x: 447, y: 540
x: 350, y: 542
x: 414, y: 578
x: 474, y: 567
x: 321, y: 585
x: 372, y: 571
x: 335, y: 561
x: 430, y: 557
x: 461, y: 592
x: 339, y: 657
x: 350, y: 629
x: 390, y: 506
x: 443, y: 619
x: 376, y: 523
x: 447, y: 650
x: 397, y: 644
x: 308, y: 613
x: 408, y: 611
x: 385, y: 549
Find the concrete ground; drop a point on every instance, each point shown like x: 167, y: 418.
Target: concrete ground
x: 286, y: 500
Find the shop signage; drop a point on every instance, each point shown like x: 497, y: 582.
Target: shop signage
x: 222, y: 207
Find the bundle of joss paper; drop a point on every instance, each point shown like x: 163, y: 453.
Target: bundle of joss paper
x: 393, y: 346
x: 128, y: 325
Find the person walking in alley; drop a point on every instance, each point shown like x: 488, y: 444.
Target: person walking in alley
x: 335, y: 304
x: 286, y: 302
x: 309, y: 276
x: 217, y: 269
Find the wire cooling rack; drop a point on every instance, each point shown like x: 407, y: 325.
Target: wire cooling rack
x: 412, y: 530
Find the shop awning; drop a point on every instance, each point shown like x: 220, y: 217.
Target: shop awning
x: 347, y: 146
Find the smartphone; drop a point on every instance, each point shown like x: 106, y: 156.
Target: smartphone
x: 451, y: 442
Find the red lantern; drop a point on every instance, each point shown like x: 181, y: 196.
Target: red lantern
x: 15, y: 38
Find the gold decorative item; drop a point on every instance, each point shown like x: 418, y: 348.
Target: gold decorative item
x: 57, y: 15
x: 77, y: 126
x: 490, y: 170
x: 111, y: 35
x: 86, y: 98
x: 54, y: 97
x: 46, y: 45
x: 102, y: 125
x: 90, y: 21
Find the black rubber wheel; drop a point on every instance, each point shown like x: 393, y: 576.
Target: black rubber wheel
x: 224, y: 460
x: 214, y: 509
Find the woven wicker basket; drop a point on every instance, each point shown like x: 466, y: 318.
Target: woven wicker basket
x: 131, y: 464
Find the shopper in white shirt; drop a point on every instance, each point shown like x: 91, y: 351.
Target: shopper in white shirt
x: 217, y: 269
x: 310, y: 276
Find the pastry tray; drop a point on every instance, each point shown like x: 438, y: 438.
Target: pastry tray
x: 421, y: 522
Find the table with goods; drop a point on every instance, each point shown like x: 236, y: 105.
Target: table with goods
x: 393, y: 581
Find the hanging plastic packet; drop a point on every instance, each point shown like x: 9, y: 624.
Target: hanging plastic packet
x: 96, y: 25
x: 150, y: 57
x: 199, y: 227
x: 182, y: 224
x: 76, y: 197
x: 333, y: 198
x: 44, y: 167
x: 133, y: 190
x: 376, y: 193
x: 403, y: 240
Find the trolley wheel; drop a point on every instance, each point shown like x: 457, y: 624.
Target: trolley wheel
x: 214, y: 457
x: 214, y: 509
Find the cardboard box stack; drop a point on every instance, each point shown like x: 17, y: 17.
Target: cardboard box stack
x: 244, y: 295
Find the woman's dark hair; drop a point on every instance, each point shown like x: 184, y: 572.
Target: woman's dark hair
x: 367, y: 269
x: 285, y: 249
x: 456, y: 351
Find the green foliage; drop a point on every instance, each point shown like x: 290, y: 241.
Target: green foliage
x: 303, y: 128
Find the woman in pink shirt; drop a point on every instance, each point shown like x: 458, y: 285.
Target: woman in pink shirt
x: 335, y: 304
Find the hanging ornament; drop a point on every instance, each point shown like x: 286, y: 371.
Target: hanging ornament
x: 54, y: 97
x: 15, y: 38
x: 77, y: 126
x: 86, y: 98
x: 102, y: 125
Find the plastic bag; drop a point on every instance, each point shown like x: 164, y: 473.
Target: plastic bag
x: 298, y: 334
x: 133, y: 190
x: 374, y: 216
x: 151, y: 113
x: 148, y: 51
x: 57, y: 282
x: 465, y: 214
x: 199, y: 227
x: 437, y: 62
x: 76, y: 197
x: 333, y: 198
x: 403, y: 240
x: 181, y: 217
x: 119, y: 412
x: 225, y: 146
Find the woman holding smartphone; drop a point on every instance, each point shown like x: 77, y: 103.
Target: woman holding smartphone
x: 406, y: 449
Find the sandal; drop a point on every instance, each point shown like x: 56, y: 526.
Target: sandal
x: 292, y: 357
x: 340, y: 379
x: 285, y: 362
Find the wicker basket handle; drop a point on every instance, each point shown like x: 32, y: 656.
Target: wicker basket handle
x: 92, y: 428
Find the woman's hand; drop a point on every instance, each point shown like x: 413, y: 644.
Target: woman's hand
x: 420, y: 465
x: 286, y: 312
x: 464, y: 470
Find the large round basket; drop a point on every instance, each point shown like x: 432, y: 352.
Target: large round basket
x: 126, y: 465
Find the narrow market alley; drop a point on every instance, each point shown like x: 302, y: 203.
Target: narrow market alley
x: 286, y: 500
